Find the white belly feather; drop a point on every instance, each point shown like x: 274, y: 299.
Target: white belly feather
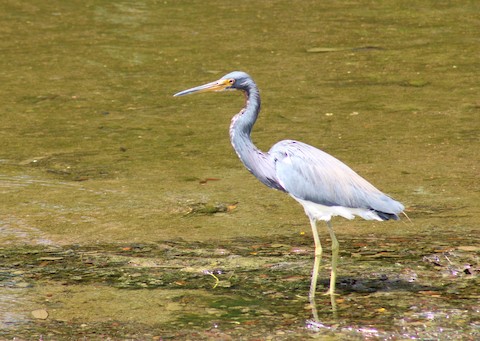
x: 322, y: 212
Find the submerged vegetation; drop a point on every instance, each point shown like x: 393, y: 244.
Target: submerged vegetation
x: 199, y: 289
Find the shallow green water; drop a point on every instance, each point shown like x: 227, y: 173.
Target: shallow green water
x: 99, y: 159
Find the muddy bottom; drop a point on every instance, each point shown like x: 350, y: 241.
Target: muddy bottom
x: 389, y: 288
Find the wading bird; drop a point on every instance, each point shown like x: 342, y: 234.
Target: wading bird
x: 322, y: 184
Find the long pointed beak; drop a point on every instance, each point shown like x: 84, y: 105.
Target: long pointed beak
x: 219, y: 85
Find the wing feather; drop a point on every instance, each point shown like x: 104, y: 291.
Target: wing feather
x: 308, y: 173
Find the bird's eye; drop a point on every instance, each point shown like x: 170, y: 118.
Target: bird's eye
x: 231, y: 81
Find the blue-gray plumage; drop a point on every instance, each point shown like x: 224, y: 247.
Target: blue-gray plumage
x: 325, y: 186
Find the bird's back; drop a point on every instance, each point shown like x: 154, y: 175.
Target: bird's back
x: 313, y: 176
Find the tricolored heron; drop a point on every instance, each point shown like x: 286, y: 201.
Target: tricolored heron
x: 322, y: 184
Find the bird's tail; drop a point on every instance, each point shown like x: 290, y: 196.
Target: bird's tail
x: 387, y: 216
x: 392, y: 216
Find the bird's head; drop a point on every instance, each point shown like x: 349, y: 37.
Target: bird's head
x: 236, y: 80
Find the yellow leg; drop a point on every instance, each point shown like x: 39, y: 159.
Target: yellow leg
x: 335, y: 249
x: 318, y: 258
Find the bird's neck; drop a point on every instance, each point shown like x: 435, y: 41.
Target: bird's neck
x: 242, y: 124
x: 257, y: 162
